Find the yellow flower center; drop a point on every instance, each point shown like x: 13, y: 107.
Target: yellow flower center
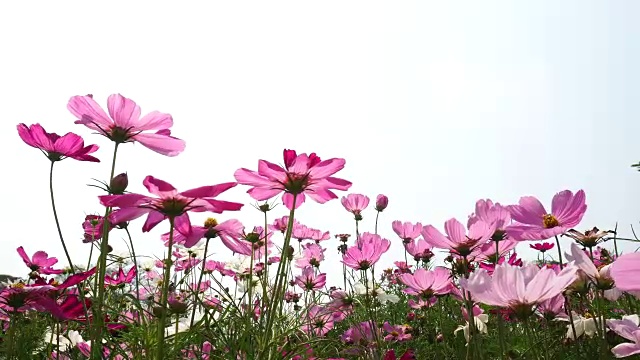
x: 210, y: 222
x: 550, y: 221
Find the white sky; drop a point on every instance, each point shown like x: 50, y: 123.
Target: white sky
x: 434, y: 104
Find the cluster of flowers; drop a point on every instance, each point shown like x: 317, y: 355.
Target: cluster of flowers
x: 186, y: 288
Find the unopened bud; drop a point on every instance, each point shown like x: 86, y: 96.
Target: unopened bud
x: 119, y: 184
x: 381, y: 202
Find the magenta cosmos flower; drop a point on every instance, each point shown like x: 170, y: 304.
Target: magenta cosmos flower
x: 382, y: 201
x: 40, y: 262
x: 54, y: 146
x: 535, y: 223
x: 169, y: 203
x: 125, y: 123
x: 302, y: 174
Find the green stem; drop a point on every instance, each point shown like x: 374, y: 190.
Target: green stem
x: 376, y: 227
x: 64, y: 246
x: 500, y: 319
x: 96, y: 351
x: 164, y: 295
x: 55, y: 215
x: 204, y: 264
x: 279, y: 280
x: 559, y: 252
x: 135, y: 263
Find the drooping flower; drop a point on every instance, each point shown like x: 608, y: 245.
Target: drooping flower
x: 125, y: 124
x: 302, y: 175
x: 169, y: 203
x: 535, y: 223
x: 56, y: 147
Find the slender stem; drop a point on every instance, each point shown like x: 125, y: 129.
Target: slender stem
x: 559, y: 252
x: 135, y: 263
x: 376, y: 227
x: 64, y: 246
x: 55, y: 215
x: 102, y: 269
x: 279, y: 281
x: 500, y: 320
x: 165, y: 291
x: 204, y: 264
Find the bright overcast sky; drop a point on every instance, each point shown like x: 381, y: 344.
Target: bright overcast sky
x: 434, y: 104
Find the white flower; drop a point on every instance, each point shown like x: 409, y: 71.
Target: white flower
x: 583, y: 325
x: 239, y: 264
x: 481, y: 324
x: 64, y: 343
x: 379, y: 294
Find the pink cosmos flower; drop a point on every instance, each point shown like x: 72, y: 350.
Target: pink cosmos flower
x: 535, y: 223
x: 188, y: 235
x: 406, y: 231
x: 457, y: 239
x: 168, y: 204
x: 302, y: 174
x: 355, y: 204
x: 625, y: 271
x: 382, y: 201
x: 309, y: 281
x: 312, y: 255
x: 396, y: 332
x: 366, y: 252
x: 420, y: 249
x: 56, y: 147
x: 518, y: 288
x: 93, y: 226
x: 120, y: 277
x: 40, y: 262
x: 493, y: 214
x: 319, y: 320
x: 426, y: 283
x: 542, y: 247
x: 125, y: 124
x: 630, y: 331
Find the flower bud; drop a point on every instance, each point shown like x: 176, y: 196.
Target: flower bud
x: 381, y: 202
x: 119, y: 184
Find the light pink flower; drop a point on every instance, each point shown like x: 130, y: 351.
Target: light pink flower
x: 535, y: 223
x: 355, y: 204
x: 309, y: 281
x: 125, y: 124
x: 457, y: 239
x: 628, y: 330
x: 366, y: 252
x: 56, y: 147
x: 625, y: 271
x: 518, y: 288
x: 493, y: 214
x: 168, y: 203
x: 312, y: 255
x: 406, y: 231
x: 426, y: 284
x: 302, y: 174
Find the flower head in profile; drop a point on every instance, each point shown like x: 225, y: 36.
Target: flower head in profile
x: 40, y: 262
x: 535, y: 223
x: 303, y: 175
x: 542, y: 247
x: 124, y: 124
x: 355, y: 204
x: 168, y: 204
x: 589, y: 238
x: 56, y: 147
x: 457, y: 239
